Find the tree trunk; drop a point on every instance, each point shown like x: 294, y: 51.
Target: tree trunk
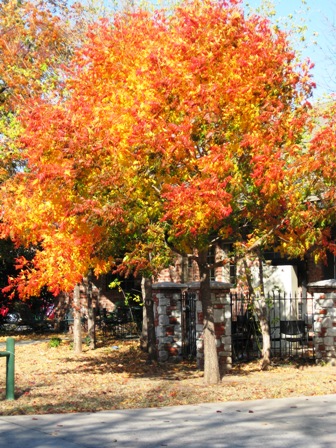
x: 144, y: 330
x: 262, y: 309
x: 146, y: 288
x: 77, y: 328
x: 211, y: 364
x: 91, y: 315
x: 262, y: 312
x: 60, y: 311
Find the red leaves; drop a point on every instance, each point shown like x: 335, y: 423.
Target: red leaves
x: 188, y: 121
x: 197, y: 207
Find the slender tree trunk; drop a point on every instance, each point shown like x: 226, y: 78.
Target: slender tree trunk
x: 60, y: 311
x: 77, y: 328
x: 91, y: 315
x: 211, y: 364
x: 262, y: 309
x: 144, y: 330
x: 146, y: 288
x: 262, y: 312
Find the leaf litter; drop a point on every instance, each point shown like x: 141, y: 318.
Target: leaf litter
x: 55, y: 380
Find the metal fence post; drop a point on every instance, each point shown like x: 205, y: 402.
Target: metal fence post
x: 10, y: 363
x: 10, y: 348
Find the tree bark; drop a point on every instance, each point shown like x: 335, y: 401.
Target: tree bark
x: 91, y: 315
x: 262, y: 312
x: 262, y: 309
x: 146, y: 288
x: 60, y: 311
x: 144, y: 330
x: 77, y: 328
x: 212, y: 373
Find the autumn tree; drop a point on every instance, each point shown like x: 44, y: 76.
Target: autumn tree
x: 310, y: 223
x: 36, y: 39
x: 176, y: 127
x: 224, y: 125
x: 31, y: 45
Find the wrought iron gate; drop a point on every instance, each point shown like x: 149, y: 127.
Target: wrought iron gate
x: 188, y: 323
x: 245, y: 331
x: 291, y: 321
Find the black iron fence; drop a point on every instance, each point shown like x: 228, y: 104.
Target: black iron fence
x: 291, y: 322
x: 123, y: 323
x: 188, y: 324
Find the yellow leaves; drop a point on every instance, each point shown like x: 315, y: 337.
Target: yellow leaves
x: 177, y: 121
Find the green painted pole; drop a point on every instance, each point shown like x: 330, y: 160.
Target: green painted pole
x: 10, y: 348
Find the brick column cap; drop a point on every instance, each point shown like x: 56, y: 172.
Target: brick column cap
x: 169, y: 285
x: 213, y: 285
x: 321, y: 285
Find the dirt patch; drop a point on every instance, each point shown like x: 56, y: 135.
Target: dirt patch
x: 116, y: 376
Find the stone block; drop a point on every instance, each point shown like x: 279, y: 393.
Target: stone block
x: 331, y: 332
x: 331, y: 295
x: 164, y: 301
x: 160, y: 332
x: 177, y: 329
x: 225, y: 300
x: 163, y: 319
x: 317, y: 326
x: 229, y: 360
x: 326, y: 322
x: 225, y: 354
x: 218, y: 315
x: 326, y: 303
x: 329, y: 341
x: 162, y: 310
x: 332, y: 312
x: 168, y: 339
x: 226, y: 340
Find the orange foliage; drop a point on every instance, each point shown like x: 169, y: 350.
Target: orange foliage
x: 189, y: 120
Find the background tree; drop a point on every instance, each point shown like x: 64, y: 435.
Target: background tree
x: 36, y: 39
x: 184, y: 123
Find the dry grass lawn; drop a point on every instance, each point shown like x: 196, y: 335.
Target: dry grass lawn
x: 116, y: 376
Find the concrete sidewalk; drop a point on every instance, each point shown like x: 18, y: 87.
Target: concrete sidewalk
x: 305, y: 422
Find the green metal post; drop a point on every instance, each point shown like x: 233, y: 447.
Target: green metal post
x: 10, y: 348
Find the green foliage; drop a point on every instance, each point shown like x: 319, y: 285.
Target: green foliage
x: 55, y: 342
x: 128, y: 297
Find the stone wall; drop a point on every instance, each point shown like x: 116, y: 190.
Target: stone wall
x: 324, y: 294
x: 167, y: 297
x: 220, y: 296
x: 167, y: 314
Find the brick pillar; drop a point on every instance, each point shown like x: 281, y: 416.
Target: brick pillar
x: 324, y: 294
x: 167, y: 313
x: 220, y: 296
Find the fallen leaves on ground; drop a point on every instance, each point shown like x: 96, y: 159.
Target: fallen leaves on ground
x: 116, y: 376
